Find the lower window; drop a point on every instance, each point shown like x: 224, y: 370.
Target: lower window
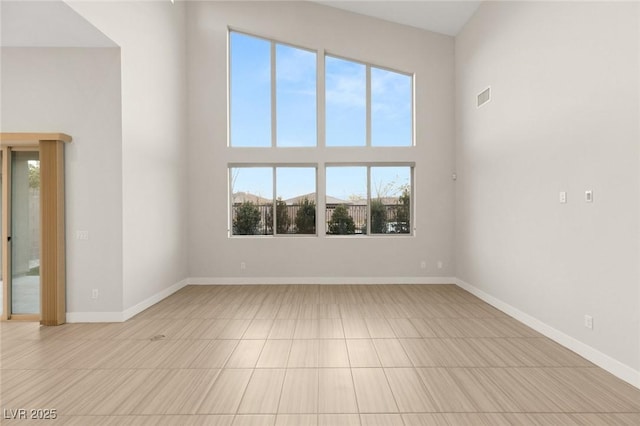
x: 256, y: 190
x: 368, y: 200
x: 358, y: 200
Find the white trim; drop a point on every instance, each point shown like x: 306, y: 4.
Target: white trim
x: 94, y: 317
x: 317, y: 280
x: 604, y: 361
x: 150, y: 301
x: 73, y: 317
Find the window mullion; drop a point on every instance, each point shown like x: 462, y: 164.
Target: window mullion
x: 368, y: 106
x: 368, y: 200
x: 274, y: 130
x: 274, y: 202
x: 320, y: 100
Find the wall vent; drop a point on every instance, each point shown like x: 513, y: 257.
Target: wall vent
x: 484, y: 97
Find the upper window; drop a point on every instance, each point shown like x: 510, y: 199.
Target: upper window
x: 272, y: 94
x: 366, y: 105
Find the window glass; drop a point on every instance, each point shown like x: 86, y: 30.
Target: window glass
x: 391, y: 108
x: 390, y: 200
x: 346, y: 200
x: 252, y: 200
x: 345, y: 98
x: 250, y: 97
x: 296, y: 107
x: 296, y: 200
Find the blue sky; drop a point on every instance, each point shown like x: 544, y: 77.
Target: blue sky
x: 296, y: 115
x: 342, y: 182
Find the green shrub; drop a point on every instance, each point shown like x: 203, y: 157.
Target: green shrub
x: 341, y: 223
x: 306, y: 217
x: 378, y: 217
x: 247, y: 220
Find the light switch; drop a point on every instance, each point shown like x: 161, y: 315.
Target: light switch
x: 588, y: 196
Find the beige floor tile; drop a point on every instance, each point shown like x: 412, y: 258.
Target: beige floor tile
x: 391, y: 353
x: 306, y: 329
x: 444, y: 391
x: 275, y: 354
x: 362, y: 353
x: 381, y: 420
x: 623, y: 419
x: 190, y: 420
x: 215, y: 354
x: 355, y: 328
x: 403, y: 328
x: 414, y: 419
x: 213, y: 329
x: 308, y: 311
x: 300, y: 392
x: 296, y: 420
x: 288, y: 311
x: 304, y: 354
x: 246, y: 354
x: 226, y: 392
x: 336, y: 391
x: 418, y: 352
x: 282, y: 329
x: 422, y: 326
x: 459, y: 419
x: 234, y: 329
x: 258, y: 329
x: 372, y: 391
x: 408, y: 390
x: 254, y: 420
x: 267, y: 311
x: 330, y: 328
x: 263, y: 392
x: 379, y: 328
x: 338, y: 420
x: 179, y: 392
x: 442, y: 350
x: 486, y: 397
x: 332, y: 353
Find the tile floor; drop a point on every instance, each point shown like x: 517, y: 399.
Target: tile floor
x: 308, y: 355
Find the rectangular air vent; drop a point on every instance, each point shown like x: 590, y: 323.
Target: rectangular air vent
x: 484, y: 97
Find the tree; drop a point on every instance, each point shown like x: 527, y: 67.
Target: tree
x: 283, y: 222
x: 378, y: 217
x: 341, y: 223
x: 247, y: 219
x: 403, y: 212
x: 306, y: 217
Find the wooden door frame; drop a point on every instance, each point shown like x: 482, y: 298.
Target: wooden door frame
x: 52, y: 231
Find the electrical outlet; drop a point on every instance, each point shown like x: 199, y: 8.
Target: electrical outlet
x: 243, y: 265
x: 95, y: 293
x: 588, y: 322
x: 423, y: 264
x: 563, y: 197
x: 588, y: 196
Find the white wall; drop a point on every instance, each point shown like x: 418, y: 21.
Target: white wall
x: 212, y: 253
x: 563, y: 117
x: 151, y: 36
x: 77, y: 91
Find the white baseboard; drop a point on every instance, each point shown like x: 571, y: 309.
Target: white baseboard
x: 150, y: 301
x: 600, y: 359
x: 127, y: 313
x: 317, y: 280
